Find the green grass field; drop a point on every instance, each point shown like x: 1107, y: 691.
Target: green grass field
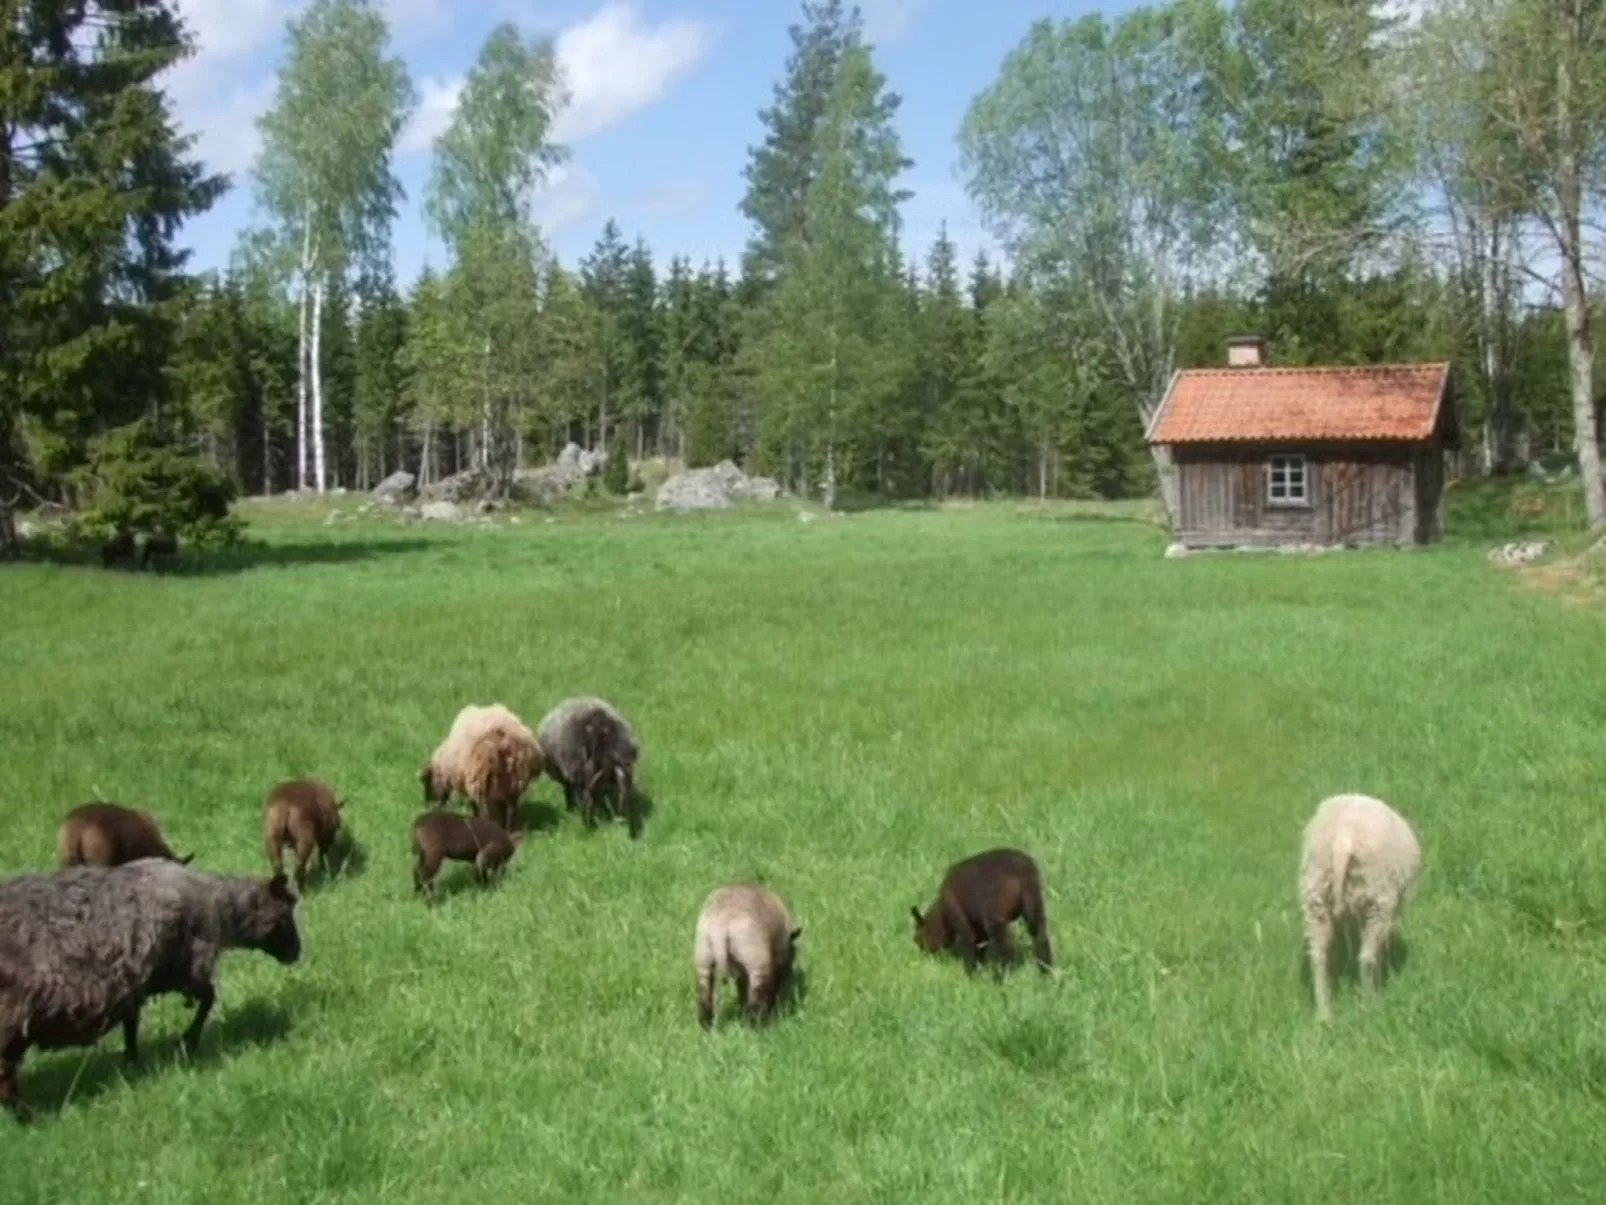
x: 841, y: 708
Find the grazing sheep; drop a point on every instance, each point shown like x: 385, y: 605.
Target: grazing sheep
x: 488, y: 756
x: 446, y: 836
x: 978, y: 900
x: 303, y: 813
x: 745, y: 935
x: 83, y: 949
x: 590, y: 748
x: 1359, y: 864
x: 108, y: 834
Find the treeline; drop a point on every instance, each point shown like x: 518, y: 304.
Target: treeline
x: 1353, y: 187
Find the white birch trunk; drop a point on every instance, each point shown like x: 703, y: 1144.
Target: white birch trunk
x: 1574, y: 283
x: 301, y: 359
x: 317, y: 385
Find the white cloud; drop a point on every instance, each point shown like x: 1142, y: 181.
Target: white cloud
x: 675, y: 198
x: 889, y: 20
x: 570, y: 195
x: 614, y: 65
x: 413, y: 19
x: 208, y: 95
x: 437, y: 101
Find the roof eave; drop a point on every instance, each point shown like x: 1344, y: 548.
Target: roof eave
x: 1165, y: 402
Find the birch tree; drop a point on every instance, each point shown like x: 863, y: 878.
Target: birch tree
x: 1087, y: 157
x: 324, y: 172
x: 1538, y: 118
x: 489, y: 165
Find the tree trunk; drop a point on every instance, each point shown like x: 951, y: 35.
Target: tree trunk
x: 302, y: 345
x: 317, y: 386
x: 1574, y: 284
x: 425, y: 454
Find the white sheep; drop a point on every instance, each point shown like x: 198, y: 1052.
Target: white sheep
x: 1360, y: 862
x: 744, y: 934
x: 490, y: 757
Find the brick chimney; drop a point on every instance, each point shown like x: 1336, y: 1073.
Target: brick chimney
x: 1246, y: 351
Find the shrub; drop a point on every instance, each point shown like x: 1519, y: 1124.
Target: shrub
x: 616, y: 473
x: 136, y: 483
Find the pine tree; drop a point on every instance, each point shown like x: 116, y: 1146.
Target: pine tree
x: 604, y: 282
x: 641, y: 330
x: 94, y: 186
x: 380, y: 413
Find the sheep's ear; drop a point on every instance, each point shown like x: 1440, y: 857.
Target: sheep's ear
x: 797, y: 933
x: 339, y: 803
x: 915, y: 912
x: 279, y: 888
x: 186, y: 859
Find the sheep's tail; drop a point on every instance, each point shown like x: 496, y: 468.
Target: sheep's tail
x: 1341, y: 855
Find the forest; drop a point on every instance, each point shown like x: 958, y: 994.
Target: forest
x: 1355, y: 182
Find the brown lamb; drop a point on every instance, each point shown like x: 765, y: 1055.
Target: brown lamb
x: 441, y: 836
x: 304, y: 814
x: 976, y: 904
x: 109, y: 834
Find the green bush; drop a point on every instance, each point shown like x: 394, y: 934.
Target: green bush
x: 616, y: 473
x: 135, y: 483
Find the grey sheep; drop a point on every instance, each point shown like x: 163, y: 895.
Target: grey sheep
x: 1359, y: 864
x: 83, y: 949
x: 590, y: 749
x: 744, y: 934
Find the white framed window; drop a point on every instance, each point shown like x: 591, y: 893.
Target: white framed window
x: 1288, y: 481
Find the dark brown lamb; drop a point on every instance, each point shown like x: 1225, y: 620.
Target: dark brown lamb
x: 976, y: 904
x: 83, y: 949
x: 109, y: 834
x: 303, y: 814
x: 440, y: 836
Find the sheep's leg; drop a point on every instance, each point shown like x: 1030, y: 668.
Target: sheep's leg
x: 570, y: 796
x: 966, y: 937
x: 10, y: 1064
x: 740, y: 975
x: 760, y: 999
x: 1319, y: 937
x: 1374, y: 941
x: 1003, y: 949
x: 275, y: 851
x: 631, y: 802
x: 204, y: 995
x: 1037, y: 926
x: 305, y: 848
x: 429, y: 865
x: 705, y: 996
x: 131, y: 1034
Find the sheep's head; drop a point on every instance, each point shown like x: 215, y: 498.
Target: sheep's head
x: 269, y: 923
x: 929, y: 934
x: 437, y: 787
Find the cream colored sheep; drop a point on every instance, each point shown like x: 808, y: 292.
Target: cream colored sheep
x: 490, y: 757
x: 1360, y: 862
x: 744, y: 934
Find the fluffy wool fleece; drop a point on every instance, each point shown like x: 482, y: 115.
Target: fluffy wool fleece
x: 78, y: 948
x: 489, y: 755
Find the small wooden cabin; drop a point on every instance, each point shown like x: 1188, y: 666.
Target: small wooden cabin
x: 1330, y: 456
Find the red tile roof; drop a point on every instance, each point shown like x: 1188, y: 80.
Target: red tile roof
x: 1383, y: 402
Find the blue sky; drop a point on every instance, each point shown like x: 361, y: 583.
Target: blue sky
x: 666, y: 95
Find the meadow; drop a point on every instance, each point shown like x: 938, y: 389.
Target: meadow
x: 840, y: 708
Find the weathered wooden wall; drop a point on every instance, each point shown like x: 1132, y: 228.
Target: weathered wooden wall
x: 1360, y: 494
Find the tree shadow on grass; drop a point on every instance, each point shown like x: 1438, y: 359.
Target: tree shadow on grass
x: 53, y: 1081
x: 245, y: 557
